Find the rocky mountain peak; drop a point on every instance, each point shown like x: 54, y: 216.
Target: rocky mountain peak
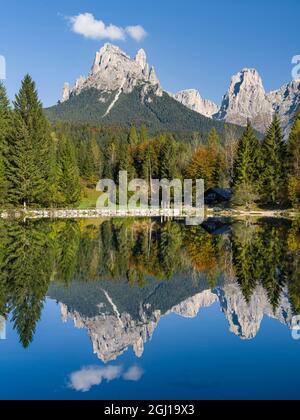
x: 246, y: 100
x: 113, y: 70
x: 192, y: 99
x: 113, y: 332
x: 285, y: 102
x: 141, y: 59
x: 114, y: 73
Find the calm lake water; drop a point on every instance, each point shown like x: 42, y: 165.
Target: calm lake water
x: 148, y: 310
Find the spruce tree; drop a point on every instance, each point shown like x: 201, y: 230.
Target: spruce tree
x: 110, y: 159
x: 30, y: 142
x: 213, y: 139
x: 293, y: 163
x: 133, y: 138
x: 5, y: 124
x: 167, y: 158
x: 26, y: 184
x: 246, y: 160
x: 68, y: 181
x: 273, y: 165
x: 143, y: 134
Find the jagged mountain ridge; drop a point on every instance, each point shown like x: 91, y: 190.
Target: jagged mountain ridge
x: 246, y: 99
x: 116, y: 323
x: 122, y: 90
x: 113, y: 71
x: 125, y: 91
x: 192, y: 99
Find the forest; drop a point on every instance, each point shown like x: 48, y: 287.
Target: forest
x: 58, y: 165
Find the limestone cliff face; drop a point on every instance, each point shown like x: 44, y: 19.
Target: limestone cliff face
x: 247, y: 99
x: 191, y: 307
x: 112, y: 333
x: 285, y: 102
x: 113, y: 70
x: 192, y: 99
x: 245, y: 318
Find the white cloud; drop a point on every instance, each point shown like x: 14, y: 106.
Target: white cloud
x: 134, y: 374
x: 90, y: 376
x: 87, y: 25
x: 138, y: 33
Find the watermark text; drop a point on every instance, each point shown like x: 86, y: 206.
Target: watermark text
x: 2, y: 68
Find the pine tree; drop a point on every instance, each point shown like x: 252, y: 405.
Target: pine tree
x: 273, y: 165
x: 110, y: 159
x: 167, y: 158
x: 5, y: 123
x: 133, y: 138
x: 246, y: 159
x: 96, y: 156
x: 29, y: 268
x: 125, y: 160
x: 68, y: 181
x: 26, y: 184
x: 143, y: 134
x: 293, y: 163
x: 30, y: 142
x: 213, y: 139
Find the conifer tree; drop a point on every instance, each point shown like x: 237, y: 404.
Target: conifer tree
x: 213, y: 139
x: 293, y: 162
x: 96, y: 155
x: 167, y: 158
x: 133, y: 138
x: 273, y: 164
x: 143, y: 134
x: 110, y: 159
x: 246, y: 159
x: 30, y: 142
x: 216, y: 150
x: 68, y: 181
x: 5, y: 123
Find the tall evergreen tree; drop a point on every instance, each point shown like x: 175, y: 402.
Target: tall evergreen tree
x: 167, y: 158
x: 68, y: 181
x: 273, y: 164
x: 28, y: 266
x: 246, y: 159
x: 213, y: 139
x: 133, y: 138
x: 293, y: 162
x: 5, y: 123
x: 110, y: 159
x: 143, y: 134
x: 30, y: 143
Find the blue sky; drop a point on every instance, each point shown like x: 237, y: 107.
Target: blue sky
x: 191, y: 43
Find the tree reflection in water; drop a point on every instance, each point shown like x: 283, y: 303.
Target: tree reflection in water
x: 37, y: 254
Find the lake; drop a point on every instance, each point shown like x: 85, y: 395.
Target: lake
x: 144, y: 309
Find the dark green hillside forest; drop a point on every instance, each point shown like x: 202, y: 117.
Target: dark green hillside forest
x: 159, y: 114
x: 45, y: 164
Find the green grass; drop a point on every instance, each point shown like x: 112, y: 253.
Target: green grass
x: 89, y: 199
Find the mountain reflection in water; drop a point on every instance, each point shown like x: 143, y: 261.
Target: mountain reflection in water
x: 117, y: 278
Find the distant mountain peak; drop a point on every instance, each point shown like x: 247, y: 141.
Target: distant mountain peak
x: 141, y: 59
x: 114, y: 70
x: 192, y: 99
x: 247, y: 99
x: 114, y: 74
